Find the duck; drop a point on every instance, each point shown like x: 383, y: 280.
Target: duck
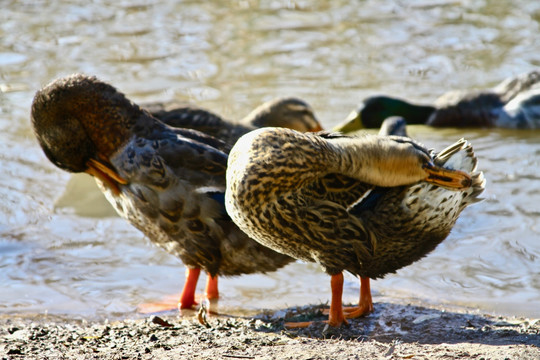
x: 289, y: 112
x: 369, y: 204
x: 512, y: 104
x: 168, y: 182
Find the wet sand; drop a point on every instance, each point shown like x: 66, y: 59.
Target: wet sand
x: 392, y: 331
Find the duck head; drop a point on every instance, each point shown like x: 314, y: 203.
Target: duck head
x: 80, y: 122
x: 374, y: 110
x: 291, y: 113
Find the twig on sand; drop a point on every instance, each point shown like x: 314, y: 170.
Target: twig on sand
x: 239, y: 356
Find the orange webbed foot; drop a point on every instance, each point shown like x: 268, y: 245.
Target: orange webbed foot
x: 297, y: 325
x: 305, y: 324
x: 356, y: 312
x: 187, y: 297
x: 336, y: 317
x: 365, y: 304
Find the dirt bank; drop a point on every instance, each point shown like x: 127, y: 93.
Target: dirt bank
x: 392, y: 331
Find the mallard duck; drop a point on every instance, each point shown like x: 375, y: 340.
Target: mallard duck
x: 514, y: 103
x: 369, y: 205
x: 168, y: 182
x: 288, y: 112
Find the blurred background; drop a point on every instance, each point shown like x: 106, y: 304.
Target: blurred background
x: 64, y: 251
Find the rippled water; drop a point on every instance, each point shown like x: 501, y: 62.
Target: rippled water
x: 62, y: 249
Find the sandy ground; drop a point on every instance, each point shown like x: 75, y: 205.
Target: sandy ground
x: 392, y: 331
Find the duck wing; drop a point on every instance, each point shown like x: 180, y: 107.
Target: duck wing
x: 511, y: 87
x: 192, y: 117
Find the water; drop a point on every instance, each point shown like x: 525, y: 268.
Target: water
x: 63, y: 250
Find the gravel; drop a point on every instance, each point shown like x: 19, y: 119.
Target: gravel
x: 392, y: 331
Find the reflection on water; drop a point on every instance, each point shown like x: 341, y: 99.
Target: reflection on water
x: 63, y: 250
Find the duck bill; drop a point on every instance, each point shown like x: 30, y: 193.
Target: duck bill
x: 105, y: 172
x: 353, y: 122
x: 451, y: 179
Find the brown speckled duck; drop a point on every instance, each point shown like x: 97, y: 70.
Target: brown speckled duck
x: 287, y: 112
x: 369, y: 205
x: 168, y: 182
x: 513, y: 104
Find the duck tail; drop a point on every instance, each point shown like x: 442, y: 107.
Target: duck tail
x: 477, y: 186
x: 460, y: 156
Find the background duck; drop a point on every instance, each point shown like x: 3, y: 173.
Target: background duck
x: 168, y: 182
x: 369, y: 205
x: 514, y: 103
x: 286, y: 112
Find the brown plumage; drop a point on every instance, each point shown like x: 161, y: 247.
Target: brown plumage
x: 167, y: 182
x: 369, y: 205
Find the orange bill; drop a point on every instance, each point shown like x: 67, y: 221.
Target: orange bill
x: 452, y: 179
x: 105, y: 172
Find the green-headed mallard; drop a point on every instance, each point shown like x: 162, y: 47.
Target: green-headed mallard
x: 514, y: 104
x: 168, y: 182
x: 288, y: 112
x: 369, y: 205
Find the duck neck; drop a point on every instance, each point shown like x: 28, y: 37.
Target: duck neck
x: 376, y: 160
x: 413, y: 113
x: 420, y: 114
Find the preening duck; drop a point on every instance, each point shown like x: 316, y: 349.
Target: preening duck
x: 168, y: 182
x: 369, y: 205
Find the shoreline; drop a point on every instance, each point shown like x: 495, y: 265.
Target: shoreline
x: 395, y: 330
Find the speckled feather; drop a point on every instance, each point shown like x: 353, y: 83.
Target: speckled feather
x: 172, y: 174
x: 284, y: 191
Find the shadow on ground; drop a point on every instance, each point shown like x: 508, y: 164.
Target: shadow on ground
x: 413, y: 323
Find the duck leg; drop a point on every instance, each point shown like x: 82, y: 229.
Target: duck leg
x: 365, y: 304
x: 336, y: 317
x: 187, y: 298
x: 211, y: 292
x: 171, y: 302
